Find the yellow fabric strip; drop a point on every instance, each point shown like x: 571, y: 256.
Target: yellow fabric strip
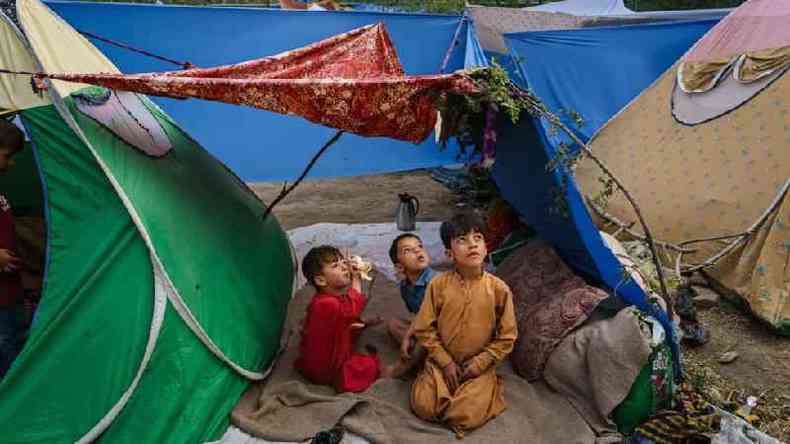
x: 15, y: 91
x: 756, y: 65
x: 697, y: 77
x: 58, y: 47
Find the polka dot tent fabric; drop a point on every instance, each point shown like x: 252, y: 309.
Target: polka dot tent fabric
x: 714, y: 178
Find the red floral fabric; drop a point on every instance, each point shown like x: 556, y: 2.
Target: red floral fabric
x: 353, y: 81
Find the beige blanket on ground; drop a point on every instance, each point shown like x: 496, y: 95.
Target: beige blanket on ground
x: 595, y: 367
x: 287, y: 408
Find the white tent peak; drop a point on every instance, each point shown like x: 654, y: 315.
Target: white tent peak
x: 584, y: 7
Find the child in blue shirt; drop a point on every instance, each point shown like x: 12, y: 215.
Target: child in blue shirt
x: 413, y: 265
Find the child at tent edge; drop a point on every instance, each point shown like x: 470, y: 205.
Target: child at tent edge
x: 11, y: 291
x: 467, y: 324
x: 332, y: 325
x: 413, y: 264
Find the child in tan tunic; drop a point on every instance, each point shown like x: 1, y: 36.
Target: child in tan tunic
x: 467, y: 325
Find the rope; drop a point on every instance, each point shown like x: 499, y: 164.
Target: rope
x: 21, y: 73
x: 184, y: 65
x: 453, y: 44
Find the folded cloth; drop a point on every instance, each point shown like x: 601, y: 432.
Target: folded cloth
x: 595, y: 366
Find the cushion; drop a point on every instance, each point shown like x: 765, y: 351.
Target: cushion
x: 550, y: 301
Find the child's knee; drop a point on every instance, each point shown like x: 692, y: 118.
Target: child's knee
x: 425, y: 401
x: 425, y: 406
x: 395, y: 328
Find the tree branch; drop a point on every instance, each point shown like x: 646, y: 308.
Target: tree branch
x: 543, y: 112
x: 285, y: 191
x: 621, y: 226
x: 739, y: 238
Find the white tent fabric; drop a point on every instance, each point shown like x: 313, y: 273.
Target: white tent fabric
x: 371, y: 241
x: 584, y: 7
x: 616, y: 8
x: 234, y: 435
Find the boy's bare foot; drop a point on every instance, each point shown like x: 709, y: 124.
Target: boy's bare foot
x: 394, y: 371
x: 386, y: 372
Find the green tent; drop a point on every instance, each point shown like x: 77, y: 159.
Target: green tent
x: 164, y: 290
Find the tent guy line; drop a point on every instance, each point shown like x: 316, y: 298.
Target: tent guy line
x: 185, y: 65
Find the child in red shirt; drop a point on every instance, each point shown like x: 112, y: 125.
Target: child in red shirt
x: 332, y: 325
x: 11, y: 291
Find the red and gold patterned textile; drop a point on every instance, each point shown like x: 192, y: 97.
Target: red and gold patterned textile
x: 353, y: 81
x: 550, y: 301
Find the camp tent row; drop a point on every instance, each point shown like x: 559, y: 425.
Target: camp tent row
x: 128, y: 323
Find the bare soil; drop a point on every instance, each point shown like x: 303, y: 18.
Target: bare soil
x: 365, y: 199
x: 762, y: 368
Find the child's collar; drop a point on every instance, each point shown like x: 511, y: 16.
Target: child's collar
x: 326, y: 290
x: 469, y: 276
x: 421, y: 277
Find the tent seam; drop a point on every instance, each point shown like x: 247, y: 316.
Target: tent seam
x: 174, y: 297
x: 157, y: 319
x: 160, y: 303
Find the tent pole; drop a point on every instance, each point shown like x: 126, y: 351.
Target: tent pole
x: 453, y: 44
x: 287, y: 189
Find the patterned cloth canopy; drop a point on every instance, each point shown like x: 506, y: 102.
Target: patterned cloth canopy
x: 353, y: 82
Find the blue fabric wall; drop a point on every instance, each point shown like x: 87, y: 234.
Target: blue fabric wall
x: 595, y: 72
x: 521, y: 175
x: 598, y: 71
x: 256, y: 144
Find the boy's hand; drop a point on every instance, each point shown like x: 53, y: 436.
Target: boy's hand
x: 9, y: 261
x: 366, y: 322
x: 470, y: 370
x: 405, y: 345
x: 372, y: 321
x: 356, y: 281
x: 452, y: 376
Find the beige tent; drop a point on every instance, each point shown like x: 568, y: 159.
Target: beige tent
x: 492, y: 22
x: 706, y: 152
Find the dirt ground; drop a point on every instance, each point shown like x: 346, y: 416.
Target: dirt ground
x: 365, y: 199
x: 762, y: 368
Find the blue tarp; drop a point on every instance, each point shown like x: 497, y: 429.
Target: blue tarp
x: 550, y: 203
x: 595, y: 72
x: 598, y: 71
x: 256, y: 144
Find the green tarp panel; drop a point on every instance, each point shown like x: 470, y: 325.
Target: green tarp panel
x: 233, y: 272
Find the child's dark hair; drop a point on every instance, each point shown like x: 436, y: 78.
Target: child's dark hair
x: 315, y: 259
x: 11, y: 137
x: 459, y: 225
x: 396, y: 241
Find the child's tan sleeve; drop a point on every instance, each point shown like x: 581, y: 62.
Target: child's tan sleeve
x: 425, y: 325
